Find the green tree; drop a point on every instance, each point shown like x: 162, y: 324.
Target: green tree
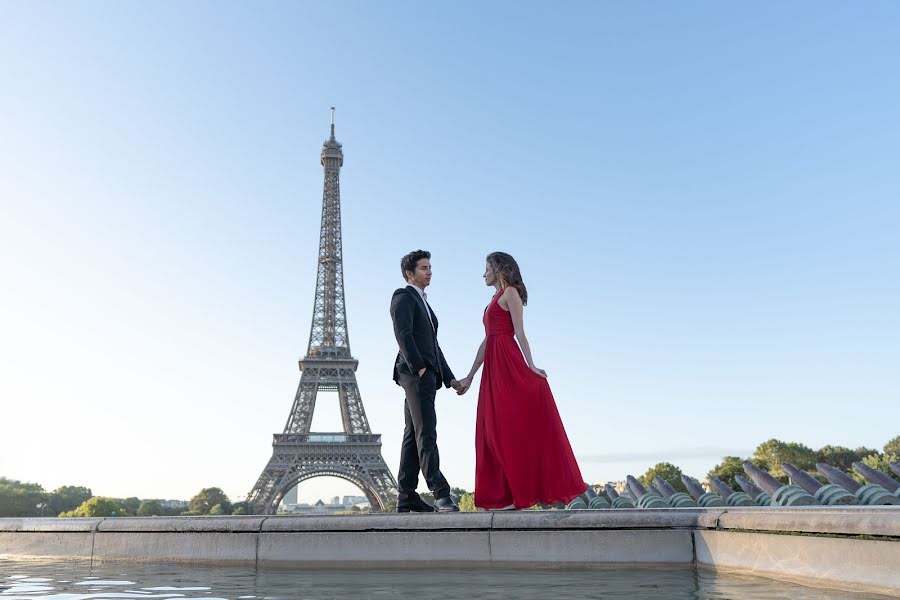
x: 863, y: 452
x: 882, y: 461
x: 666, y: 471
x: 892, y: 450
x: 66, y: 498
x: 218, y: 509
x: 731, y: 466
x: 149, y: 508
x: 18, y: 499
x: 775, y: 453
x: 457, y: 493
x: 203, y: 502
x: 98, y: 506
x: 838, y: 456
x: 239, y: 508
x: 132, y: 504
x: 466, y: 502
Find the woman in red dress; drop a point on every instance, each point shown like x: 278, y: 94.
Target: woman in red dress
x: 522, y: 453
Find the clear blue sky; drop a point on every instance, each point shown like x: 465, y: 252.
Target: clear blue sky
x: 703, y: 198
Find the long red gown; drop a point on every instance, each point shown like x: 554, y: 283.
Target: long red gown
x: 522, y: 454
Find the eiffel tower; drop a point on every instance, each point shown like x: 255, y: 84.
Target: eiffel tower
x: 354, y: 454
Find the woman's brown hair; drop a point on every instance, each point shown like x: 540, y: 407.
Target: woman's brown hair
x: 507, y: 269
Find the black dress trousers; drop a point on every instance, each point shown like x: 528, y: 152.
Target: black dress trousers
x: 419, y: 448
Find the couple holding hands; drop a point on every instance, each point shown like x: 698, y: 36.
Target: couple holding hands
x: 522, y: 453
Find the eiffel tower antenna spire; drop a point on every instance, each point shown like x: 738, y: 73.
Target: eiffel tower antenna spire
x: 355, y: 453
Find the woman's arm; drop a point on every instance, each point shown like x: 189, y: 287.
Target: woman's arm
x: 517, y: 312
x: 479, y: 360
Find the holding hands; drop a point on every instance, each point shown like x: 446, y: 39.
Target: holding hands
x: 463, y: 386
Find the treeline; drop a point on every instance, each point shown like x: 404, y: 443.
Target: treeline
x: 771, y: 454
x: 466, y: 501
x: 21, y: 499
x: 18, y: 499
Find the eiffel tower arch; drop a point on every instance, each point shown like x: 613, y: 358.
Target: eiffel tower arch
x: 353, y: 454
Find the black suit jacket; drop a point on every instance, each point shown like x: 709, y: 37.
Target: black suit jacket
x: 416, y: 338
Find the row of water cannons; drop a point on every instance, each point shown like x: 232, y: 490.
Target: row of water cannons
x: 762, y: 489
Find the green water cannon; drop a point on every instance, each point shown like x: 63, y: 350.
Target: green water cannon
x: 869, y: 494
x: 595, y: 501
x: 576, y: 504
x: 703, y: 498
x: 645, y: 498
x: 873, y: 475
x: 880, y: 489
x: 760, y: 497
x: 589, y: 499
x: 731, y: 497
x: 675, y: 498
x: 615, y: 500
x: 831, y: 494
x: 782, y: 494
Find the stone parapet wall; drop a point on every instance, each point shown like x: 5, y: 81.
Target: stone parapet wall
x: 853, y: 548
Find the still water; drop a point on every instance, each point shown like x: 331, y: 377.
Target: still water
x: 21, y: 580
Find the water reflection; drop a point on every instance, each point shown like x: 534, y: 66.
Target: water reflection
x: 30, y: 580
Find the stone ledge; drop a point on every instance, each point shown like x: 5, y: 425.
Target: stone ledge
x: 46, y: 544
x: 645, y: 546
x: 49, y: 524
x: 324, y: 547
x: 626, y: 518
x: 751, y: 539
x: 875, y: 520
x: 180, y: 547
x: 236, y: 524
x: 381, y: 522
x: 848, y: 564
x: 851, y: 521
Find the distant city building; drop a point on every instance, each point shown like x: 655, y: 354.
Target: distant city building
x: 174, y: 503
x: 320, y: 508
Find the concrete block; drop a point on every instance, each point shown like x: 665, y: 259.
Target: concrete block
x: 846, y: 564
x: 48, y: 524
x: 193, y: 547
x: 26, y: 544
x: 374, y: 547
x: 709, y: 518
x: 380, y: 522
x: 602, y: 546
x: 625, y: 518
x: 851, y: 520
x: 183, y: 524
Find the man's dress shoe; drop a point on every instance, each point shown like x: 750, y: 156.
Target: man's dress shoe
x: 445, y: 505
x: 413, y: 503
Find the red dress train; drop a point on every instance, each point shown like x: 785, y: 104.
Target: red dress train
x: 522, y: 453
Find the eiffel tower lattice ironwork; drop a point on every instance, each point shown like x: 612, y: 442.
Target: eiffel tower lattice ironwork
x: 354, y: 454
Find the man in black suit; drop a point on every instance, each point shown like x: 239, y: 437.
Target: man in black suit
x: 420, y: 370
